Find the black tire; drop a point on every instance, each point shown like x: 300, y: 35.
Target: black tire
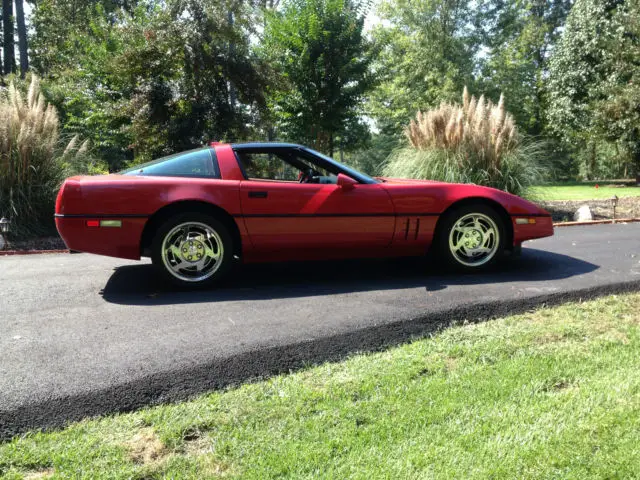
x: 446, y: 241
x: 190, y: 278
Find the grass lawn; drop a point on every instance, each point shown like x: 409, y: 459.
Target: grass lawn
x: 550, y: 394
x: 582, y: 191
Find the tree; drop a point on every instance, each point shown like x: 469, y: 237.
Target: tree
x: 151, y: 80
x: 594, y: 75
x: 22, y: 38
x: 8, y: 41
x: 428, y: 55
x: 320, y: 50
x: 519, y: 36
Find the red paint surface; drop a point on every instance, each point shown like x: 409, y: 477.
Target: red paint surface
x: 294, y: 222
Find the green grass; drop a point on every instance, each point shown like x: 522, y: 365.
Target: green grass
x: 550, y: 394
x: 582, y: 191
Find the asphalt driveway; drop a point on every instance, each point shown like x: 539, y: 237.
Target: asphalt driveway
x: 85, y: 335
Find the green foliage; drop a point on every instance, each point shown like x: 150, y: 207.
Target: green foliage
x: 428, y: 50
x: 519, y: 35
x: 151, y: 79
x: 476, y: 142
x: 593, y: 84
x: 372, y: 158
x: 33, y: 160
x: 323, y: 56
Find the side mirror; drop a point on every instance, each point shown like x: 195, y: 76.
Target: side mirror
x: 346, y: 182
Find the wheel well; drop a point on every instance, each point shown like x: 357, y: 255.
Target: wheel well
x: 506, y: 218
x: 166, y: 212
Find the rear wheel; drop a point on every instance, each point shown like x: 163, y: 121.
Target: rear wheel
x: 192, y: 250
x: 472, y: 238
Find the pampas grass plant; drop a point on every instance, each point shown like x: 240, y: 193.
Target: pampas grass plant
x: 33, y: 160
x: 475, y: 142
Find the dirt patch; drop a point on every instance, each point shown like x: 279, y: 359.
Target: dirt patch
x: 43, y: 243
x: 145, y: 447
x: 562, y: 211
x: 39, y: 475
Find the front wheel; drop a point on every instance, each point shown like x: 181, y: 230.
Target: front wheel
x: 192, y: 250
x: 472, y: 238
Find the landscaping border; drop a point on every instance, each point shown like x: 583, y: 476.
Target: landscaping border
x: 4, y: 253
x: 597, y: 222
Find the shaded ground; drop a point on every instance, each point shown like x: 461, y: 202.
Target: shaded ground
x: 563, y: 210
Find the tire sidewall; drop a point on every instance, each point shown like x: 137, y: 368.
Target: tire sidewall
x: 221, y: 230
x: 442, y: 241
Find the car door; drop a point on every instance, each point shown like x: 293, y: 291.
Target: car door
x: 281, y: 212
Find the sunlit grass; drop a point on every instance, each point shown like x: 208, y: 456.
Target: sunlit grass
x: 554, y: 393
x: 583, y: 191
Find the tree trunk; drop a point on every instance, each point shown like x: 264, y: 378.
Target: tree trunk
x: 7, y: 27
x: 591, y: 165
x: 23, y: 46
x: 233, y: 94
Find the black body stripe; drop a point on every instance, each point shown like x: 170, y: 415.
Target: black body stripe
x: 309, y: 215
x: 286, y: 215
x: 100, y: 215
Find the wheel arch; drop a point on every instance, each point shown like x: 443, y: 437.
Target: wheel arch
x: 504, y: 215
x: 163, y: 214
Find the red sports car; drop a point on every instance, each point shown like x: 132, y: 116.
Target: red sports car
x: 198, y: 212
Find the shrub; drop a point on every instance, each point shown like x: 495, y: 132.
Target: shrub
x: 33, y: 160
x: 476, y: 142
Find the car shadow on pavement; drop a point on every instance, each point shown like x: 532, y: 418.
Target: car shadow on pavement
x: 139, y: 284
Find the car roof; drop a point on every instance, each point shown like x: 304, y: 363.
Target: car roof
x: 252, y: 145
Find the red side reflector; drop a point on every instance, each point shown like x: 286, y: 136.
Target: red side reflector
x: 93, y: 223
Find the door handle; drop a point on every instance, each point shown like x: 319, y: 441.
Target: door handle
x: 255, y: 194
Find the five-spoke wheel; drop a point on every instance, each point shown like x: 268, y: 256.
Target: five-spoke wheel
x: 471, y: 237
x: 192, y: 249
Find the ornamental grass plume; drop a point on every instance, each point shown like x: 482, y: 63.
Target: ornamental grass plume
x: 33, y: 161
x: 475, y: 142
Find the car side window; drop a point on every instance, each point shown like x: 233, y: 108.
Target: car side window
x: 195, y: 163
x: 283, y: 166
x: 267, y: 166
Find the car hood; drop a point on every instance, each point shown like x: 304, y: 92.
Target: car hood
x: 449, y: 193
x: 407, y: 180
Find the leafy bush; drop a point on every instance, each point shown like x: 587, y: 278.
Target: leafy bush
x: 476, y: 142
x: 33, y: 160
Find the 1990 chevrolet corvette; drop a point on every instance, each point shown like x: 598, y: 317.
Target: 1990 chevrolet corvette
x: 197, y: 212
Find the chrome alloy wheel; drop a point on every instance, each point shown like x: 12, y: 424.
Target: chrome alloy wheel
x: 474, y: 239
x: 192, y: 251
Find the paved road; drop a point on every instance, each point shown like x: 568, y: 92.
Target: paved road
x: 83, y: 335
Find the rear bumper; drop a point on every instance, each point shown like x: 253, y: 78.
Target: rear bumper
x: 543, y: 227
x: 121, y: 242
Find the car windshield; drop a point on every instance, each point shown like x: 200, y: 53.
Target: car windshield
x: 350, y: 171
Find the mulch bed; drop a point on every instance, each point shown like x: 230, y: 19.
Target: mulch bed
x: 562, y: 211
x: 44, y: 243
